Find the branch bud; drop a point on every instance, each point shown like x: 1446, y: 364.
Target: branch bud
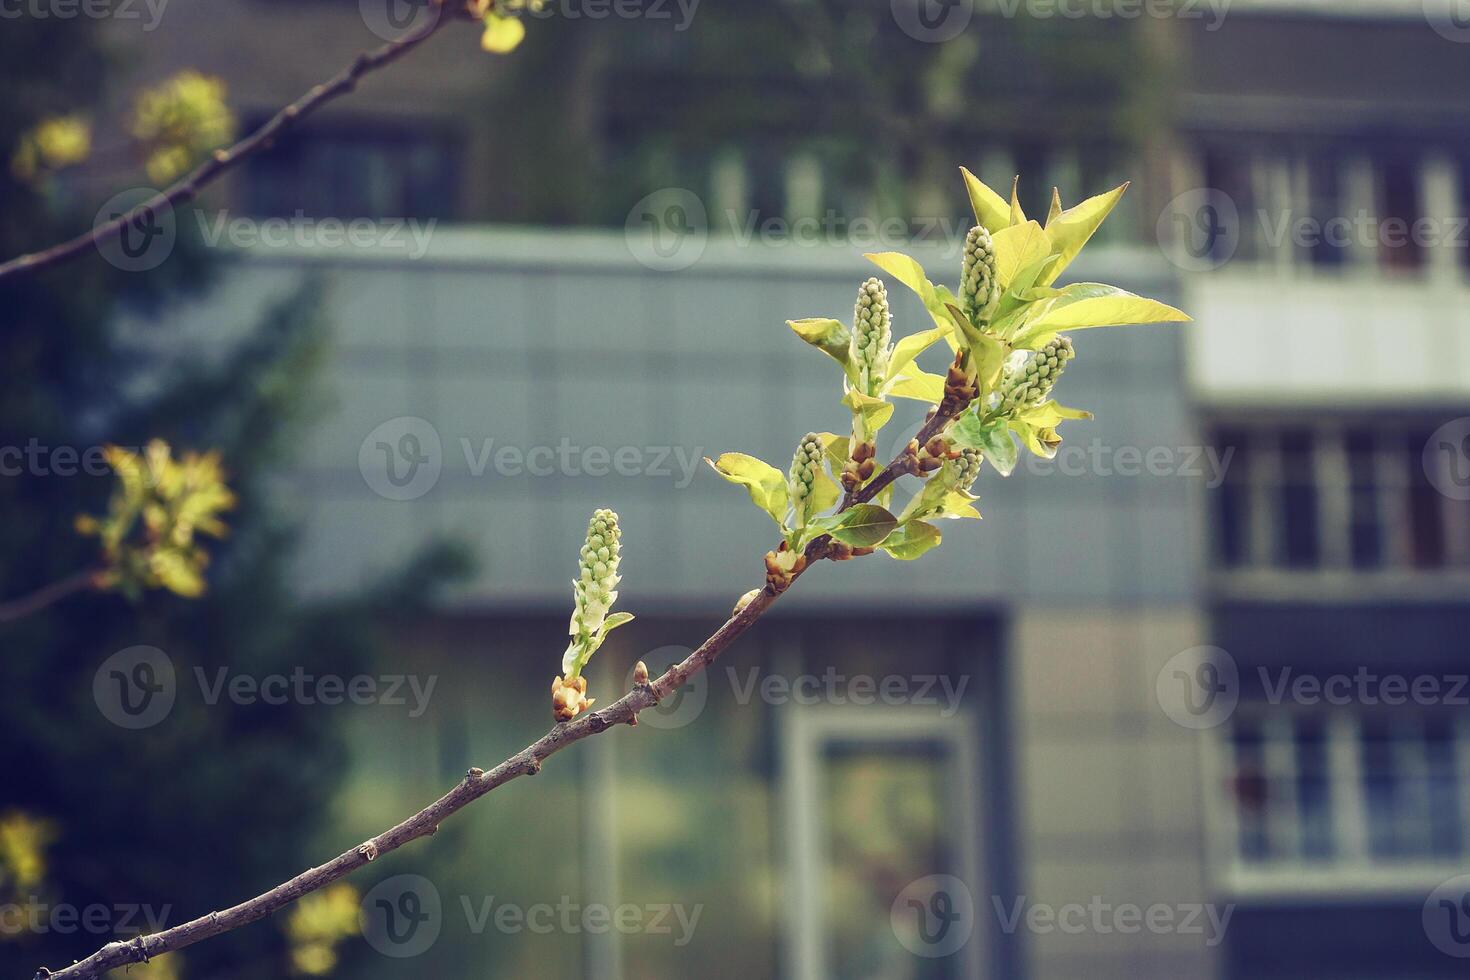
x: 743, y: 601
x: 569, y: 698
x: 960, y: 386
x: 782, y: 566
x: 860, y: 466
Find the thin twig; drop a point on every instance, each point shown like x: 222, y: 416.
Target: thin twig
x: 46, y: 595
x: 477, y: 782
x: 222, y: 160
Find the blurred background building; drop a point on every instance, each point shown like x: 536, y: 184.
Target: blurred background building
x: 1087, y: 702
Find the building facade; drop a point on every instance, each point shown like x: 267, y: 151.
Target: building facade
x: 1161, y: 675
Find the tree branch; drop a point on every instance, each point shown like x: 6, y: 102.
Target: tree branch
x: 477, y: 782
x: 222, y: 160
x: 46, y: 595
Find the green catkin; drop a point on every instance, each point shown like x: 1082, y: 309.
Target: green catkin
x: 805, y: 466
x: 1029, y: 384
x: 978, y: 287
x: 594, y: 591
x: 872, y: 335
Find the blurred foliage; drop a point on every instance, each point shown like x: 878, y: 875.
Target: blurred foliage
x: 317, y: 924
x: 51, y: 144
x: 180, y: 120
x: 169, y: 966
x: 147, y: 533
x: 218, y: 801
x: 23, y: 841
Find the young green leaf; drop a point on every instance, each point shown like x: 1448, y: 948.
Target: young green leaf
x: 912, y: 346
x: 826, y: 335
x: 991, y: 438
x: 1056, y: 207
x: 1071, y: 229
x: 1085, y: 305
x: 612, y: 622
x: 1050, y: 413
x: 836, y: 448
x: 956, y: 504
x: 1016, y: 248
x: 875, y: 412
x: 918, y: 385
x: 991, y: 210
x: 911, y: 540
x: 862, y: 526
x: 766, y: 484
x: 907, y: 270
x: 1017, y: 215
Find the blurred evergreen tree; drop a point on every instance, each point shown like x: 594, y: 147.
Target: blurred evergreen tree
x: 216, y: 802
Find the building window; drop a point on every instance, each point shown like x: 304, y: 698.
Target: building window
x: 374, y: 172
x: 1400, y: 206
x: 1341, y: 799
x: 1348, y: 497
